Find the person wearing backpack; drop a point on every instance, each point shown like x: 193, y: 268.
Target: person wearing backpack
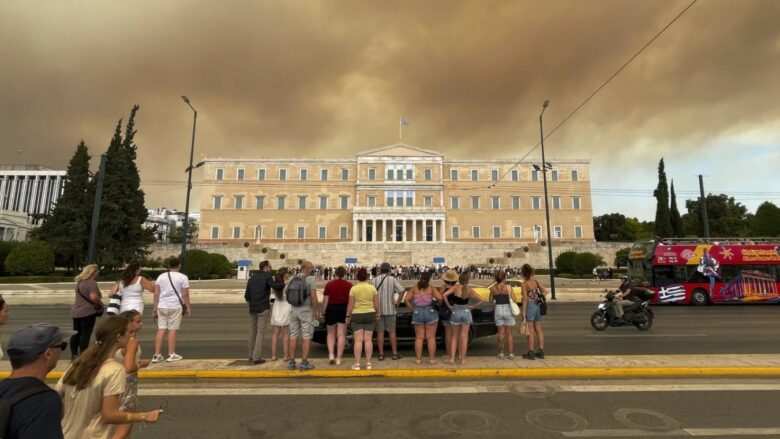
x: 171, y: 303
x: 302, y: 296
x: 29, y: 409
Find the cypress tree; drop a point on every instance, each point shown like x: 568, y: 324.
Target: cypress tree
x: 678, y: 228
x: 663, y: 224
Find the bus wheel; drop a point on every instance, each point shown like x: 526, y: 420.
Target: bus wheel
x: 699, y: 297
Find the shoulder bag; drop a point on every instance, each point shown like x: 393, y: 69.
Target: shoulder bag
x: 115, y: 301
x: 513, y: 305
x: 183, y: 306
x: 541, y: 300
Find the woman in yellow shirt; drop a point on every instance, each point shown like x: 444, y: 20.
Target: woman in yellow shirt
x: 362, y: 315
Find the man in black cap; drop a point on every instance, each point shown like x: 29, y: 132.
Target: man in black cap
x: 36, y: 409
x: 389, y: 291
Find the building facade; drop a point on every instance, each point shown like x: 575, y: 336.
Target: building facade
x: 398, y: 194
x: 30, y: 189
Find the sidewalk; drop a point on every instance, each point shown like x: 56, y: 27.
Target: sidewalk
x: 477, y: 367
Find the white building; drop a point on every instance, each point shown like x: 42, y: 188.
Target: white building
x: 30, y: 189
x: 165, y: 221
x: 14, y: 226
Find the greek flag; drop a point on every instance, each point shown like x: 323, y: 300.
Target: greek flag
x: 674, y: 293
x: 404, y: 123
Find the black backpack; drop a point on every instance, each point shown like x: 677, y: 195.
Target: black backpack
x: 297, y: 291
x: 7, y: 403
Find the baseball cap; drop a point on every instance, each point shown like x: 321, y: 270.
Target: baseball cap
x: 385, y: 267
x: 34, y: 339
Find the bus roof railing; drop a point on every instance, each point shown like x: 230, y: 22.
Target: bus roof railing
x: 720, y: 241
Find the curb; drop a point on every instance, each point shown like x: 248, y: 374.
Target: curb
x: 616, y: 372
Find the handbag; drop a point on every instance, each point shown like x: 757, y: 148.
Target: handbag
x: 99, y: 308
x: 115, y: 302
x: 524, y: 328
x: 542, y: 301
x: 514, y: 307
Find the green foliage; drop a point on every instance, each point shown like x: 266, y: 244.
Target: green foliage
x: 621, y: 257
x: 197, y: 264
x: 220, y: 266
x: 766, y: 221
x: 564, y: 262
x: 663, y: 225
x: 176, y: 236
x: 678, y: 228
x: 30, y: 258
x: 617, y: 227
x: 584, y: 263
x: 727, y: 218
x: 5, y: 249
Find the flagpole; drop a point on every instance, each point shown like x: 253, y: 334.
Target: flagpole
x: 400, y: 130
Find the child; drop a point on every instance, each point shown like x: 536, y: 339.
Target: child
x: 130, y: 357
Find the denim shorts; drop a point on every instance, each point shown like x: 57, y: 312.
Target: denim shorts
x: 461, y: 315
x: 503, y: 316
x: 423, y: 315
x: 532, y: 312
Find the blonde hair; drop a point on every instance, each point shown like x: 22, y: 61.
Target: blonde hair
x: 87, y: 272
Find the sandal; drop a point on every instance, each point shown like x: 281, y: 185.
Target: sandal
x: 369, y: 366
x: 381, y: 357
x: 432, y: 362
x: 418, y: 361
x: 396, y: 357
x: 356, y: 366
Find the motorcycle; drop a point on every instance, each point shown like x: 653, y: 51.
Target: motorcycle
x: 637, y: 314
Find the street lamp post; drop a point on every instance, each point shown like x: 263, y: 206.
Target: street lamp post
x: 547, y: 204
x: 186, y: 225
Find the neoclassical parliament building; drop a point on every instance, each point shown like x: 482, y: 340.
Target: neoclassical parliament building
x: 400, y: 196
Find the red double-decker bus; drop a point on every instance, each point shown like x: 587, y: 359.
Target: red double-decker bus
x: 703, y: 271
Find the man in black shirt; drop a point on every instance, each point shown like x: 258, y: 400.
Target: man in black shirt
x: 257, y: 295
x: 34, y: 352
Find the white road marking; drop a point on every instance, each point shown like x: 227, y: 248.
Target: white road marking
x: 770, y: 431
x: 670, y: 388
x: 314, y: 391
x: 645, y: 335
x: 686, y: 432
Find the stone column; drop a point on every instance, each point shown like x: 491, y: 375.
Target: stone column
x: 403, y: 230
x: 414, y: 230
x: 435, y: 224
x: 377, y: 236
x: 393, y: 236
x: 444, y: 230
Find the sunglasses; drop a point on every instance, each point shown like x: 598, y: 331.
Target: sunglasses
x: 62, y: 346
x: 450, y: 282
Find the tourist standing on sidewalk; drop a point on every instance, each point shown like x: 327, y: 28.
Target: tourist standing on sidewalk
x: 4, y: 313
x: 458, y: 300
x: 171, y: 303
x: 425, y: 318
x: 34, y: 352
x: 389, y: 290
x: 258, y: 296
x: 132, y: 286
x: 533, y: 293
x: 91, y: 388
x: 500, y: 295
x: 130, y: 358
x: 280, y: 315
x: 362, y: 314
x: 335, y: 301
x: 302, y: 295
x: 85, y: 309
x: 450, y: 279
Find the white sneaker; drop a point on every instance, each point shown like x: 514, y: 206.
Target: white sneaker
x: 157, y: 358
x: 173, y: 357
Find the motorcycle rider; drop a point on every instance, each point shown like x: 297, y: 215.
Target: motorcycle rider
x: 624, y: 297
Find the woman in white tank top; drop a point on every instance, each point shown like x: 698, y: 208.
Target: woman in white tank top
x: 132, y: 286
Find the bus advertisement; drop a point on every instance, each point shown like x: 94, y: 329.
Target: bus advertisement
x: 700, y: 272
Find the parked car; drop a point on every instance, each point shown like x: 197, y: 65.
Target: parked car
x: 484, y: 292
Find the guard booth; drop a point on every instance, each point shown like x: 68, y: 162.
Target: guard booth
x: 349, y: 262
x: 243, y: 269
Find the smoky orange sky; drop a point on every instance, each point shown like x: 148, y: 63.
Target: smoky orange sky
x: 328, y: 79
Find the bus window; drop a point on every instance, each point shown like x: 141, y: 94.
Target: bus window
x: 663, y: 275
x: 694, y: 276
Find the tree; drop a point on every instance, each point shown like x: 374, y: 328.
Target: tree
x: 678, y: 228
x: 621, y: 257
x: 67, y: 228
x: 766, y: 221
x: 584, y: 263
x: 564, y: 262
x: 198, y: 264
x: 176, y: 235
x: 663, y: 225
x: 727, y: 218
x: 5, y: 250
x: 30, y: 258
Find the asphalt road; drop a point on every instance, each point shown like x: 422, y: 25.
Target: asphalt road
x: 467, y: 410
x: 220, y: 331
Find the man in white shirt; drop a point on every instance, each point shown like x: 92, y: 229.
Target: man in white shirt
x: 171, y: 302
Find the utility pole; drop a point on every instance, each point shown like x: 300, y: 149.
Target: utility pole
x: 96, y: 210
x: 186, y: 224
x: 547, y: 205
x: 704, y: 221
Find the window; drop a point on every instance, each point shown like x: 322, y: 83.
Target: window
x: 217, y: 203
x: 496, y: 231
x: 282, y: 174
x: 554, y: 175
x: 534, y: 175
x: 372, y: 173
x: 238, y: 202
x: 456, y: 232
x: 258, y: 232
x: 556, y: 203
x: 495, y: 203
x: 516, y: 203
x: 371, y: 201
x: 578, y: 231
x: 537, y: 231
x: 302, y: 203
x: 304, y: 174
x: 428, y: 174
x: 474, y: 175
x: 428, y: 201
x: 575, y: 203
x: 475, y: 232
x: 389, y: 199
x: 260, y: 201
x: 343, y: 232
x: 261, y: 174
x: 322, y: 232
x: 240, y: 174
x: 475, y: 202
x: 215, y: 232
x: 558, y: 231
x: 409, y: 175
x: 301, y: 232
x: 345, y: 174
x: 399, y: 199
x: 454, y: 202
x: 536, y: 203
x: 574, y: 176
x: 323, y: 203
x: 344, y: 199
x: 454, y: 174
x: 236, y: 232
x: 279, y: 232
x: 390, y: 173
x: 494, y: 174
x: 220, y: 174
x: 399, y: 174
x: 409, y: 199
x: 323, y: 174
x: 517, y: 232
x: 515, y: 175
x: 280, y: 202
